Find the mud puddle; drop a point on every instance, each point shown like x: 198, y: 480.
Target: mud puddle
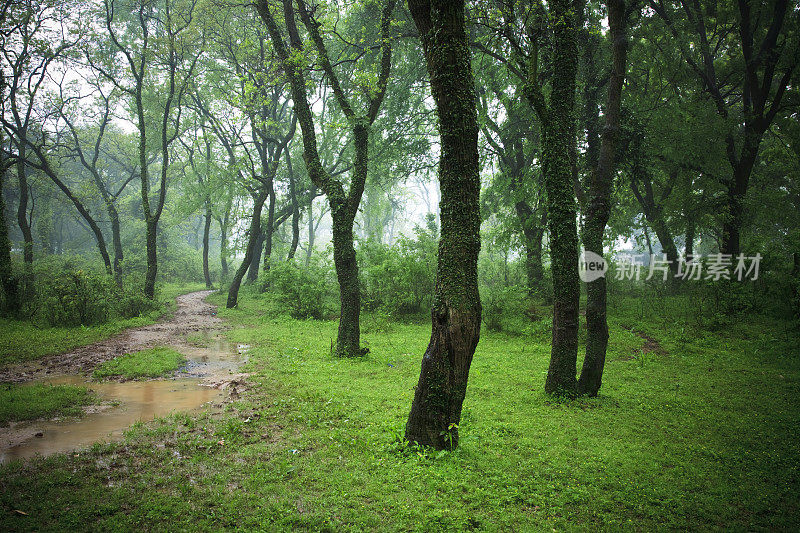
x: 210, y: 375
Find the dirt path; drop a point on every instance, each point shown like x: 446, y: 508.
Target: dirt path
x: 193, y: 315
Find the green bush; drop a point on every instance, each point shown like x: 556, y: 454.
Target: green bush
x: 74, y: 297
x: 399, y: 279
x: 302, y: 292
x: 130, y: 302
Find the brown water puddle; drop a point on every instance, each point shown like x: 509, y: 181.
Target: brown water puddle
x: 137, y: 401
x: 210, y: 375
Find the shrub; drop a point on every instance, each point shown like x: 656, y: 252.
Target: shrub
x: 399, y: 279
x: 303, y: 292
x: 72, y: 296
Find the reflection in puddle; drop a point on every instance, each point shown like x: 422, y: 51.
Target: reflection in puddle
x: 138, y: 401
x: 134, y: 401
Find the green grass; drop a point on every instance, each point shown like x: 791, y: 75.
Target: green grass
x: 22, y: 340
x: 28, y: 402
x: 151, y: 363
x: 702, y: 437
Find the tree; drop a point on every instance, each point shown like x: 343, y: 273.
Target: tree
x: 456, y: 314
x: 744, y: 60
x: 598, y: 209
x: 153, y: 32
x: 344, y: 205
x: 557, y: 122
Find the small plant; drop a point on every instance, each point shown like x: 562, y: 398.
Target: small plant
x: 152, y: 363
x: 450, y: 436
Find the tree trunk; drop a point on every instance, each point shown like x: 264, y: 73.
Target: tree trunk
x: 344, y: 259
x: 22, y: 210
x: 558, y: 141
x: 269, y: 232
x: 252, y: 243
x: 7, y: 280
x: 116, y: 239
x: 223, y: 249
x: 456, y: 314
x: 348, y: 340
x: 311, y: 223
x: 152, y: 258
x: 599, y: 208
x: 206, y: 231
x: 737, y: 191
x: 255, y: 261
x: 532, y: 236
x: 691, y: 228
x: 295, y: 210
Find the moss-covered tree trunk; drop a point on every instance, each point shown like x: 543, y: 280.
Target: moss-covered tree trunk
x: 456, y: 314
x: 348, y: 339
x: 22, y: 206
x: 206, y: 234
x: 599, y: 206
x: 558, y: 143
x: 8, y: 282
x: 252, y: 244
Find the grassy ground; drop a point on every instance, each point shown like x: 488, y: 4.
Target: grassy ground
x: 152, y: 363
x: 28, y: 402
x: 22, y: 340
x: 692, y: 430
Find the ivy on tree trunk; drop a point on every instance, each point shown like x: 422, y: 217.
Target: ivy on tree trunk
x: 456, y: 314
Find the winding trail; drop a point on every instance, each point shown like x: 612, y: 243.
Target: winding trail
x: 211, y: 375
x: 193, y: 315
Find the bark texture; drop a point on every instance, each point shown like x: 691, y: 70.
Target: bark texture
x: 558, y: 143
x: 456, y: 314
x: 599, y: 206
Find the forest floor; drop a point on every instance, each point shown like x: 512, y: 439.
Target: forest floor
x: 693, y: 429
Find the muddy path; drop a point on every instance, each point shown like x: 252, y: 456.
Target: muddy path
x: 193, y: 315
x: 211, y: 376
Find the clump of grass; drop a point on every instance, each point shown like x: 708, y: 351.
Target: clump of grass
x: 28, y: 402
x: 151, y: 363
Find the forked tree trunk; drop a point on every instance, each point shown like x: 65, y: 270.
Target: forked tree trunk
x: 599, y: 208
x: 456, y: 314
x: 558, y: 141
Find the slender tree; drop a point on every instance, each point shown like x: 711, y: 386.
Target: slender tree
x: 343, y: 204
x: 598, y: 209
